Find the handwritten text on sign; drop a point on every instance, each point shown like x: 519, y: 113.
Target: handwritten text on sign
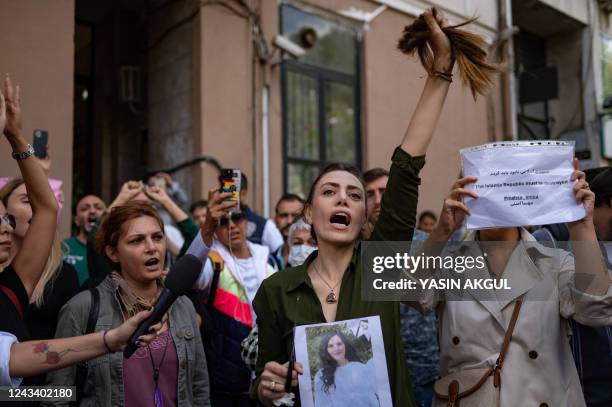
x: 521, y: 183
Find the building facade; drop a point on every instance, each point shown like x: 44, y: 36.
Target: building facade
x: 280, y: 88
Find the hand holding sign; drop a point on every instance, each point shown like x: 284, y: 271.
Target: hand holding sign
x: 454, y: 210
x: 584, y: 195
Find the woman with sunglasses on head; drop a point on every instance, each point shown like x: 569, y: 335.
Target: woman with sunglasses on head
x: 234, y: 268
x: 8, y: 224
x: 59, y: 280
x: 20, y: 277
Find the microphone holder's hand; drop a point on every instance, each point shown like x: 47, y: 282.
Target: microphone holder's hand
x: 117, y: 338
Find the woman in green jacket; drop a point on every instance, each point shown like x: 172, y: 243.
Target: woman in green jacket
x: 327, y: 287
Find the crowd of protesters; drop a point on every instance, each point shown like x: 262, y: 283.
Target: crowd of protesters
x: 229, y: 343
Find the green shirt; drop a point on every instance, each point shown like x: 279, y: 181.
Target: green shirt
x: 287, y: 299
x: 75, y: 254
x: 189, y: 230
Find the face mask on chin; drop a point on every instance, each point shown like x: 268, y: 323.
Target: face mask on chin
x: 298, y: 254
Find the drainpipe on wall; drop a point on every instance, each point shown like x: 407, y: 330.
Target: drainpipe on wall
x: 590, y: 118
x: 506, y: 32
x: 265, y: 147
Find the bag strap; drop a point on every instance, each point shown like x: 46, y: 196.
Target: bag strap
x: 94, y: 311
x: 92, y: 320
x: 507, y: 338
x: 276, y: 261
x: 217, y: 265
x: 13, y: 298
x: 454, y: 394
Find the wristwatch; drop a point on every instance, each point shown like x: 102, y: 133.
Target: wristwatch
x: 25, y: 154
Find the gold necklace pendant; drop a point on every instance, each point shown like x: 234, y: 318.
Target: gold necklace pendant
x: 331, y: 298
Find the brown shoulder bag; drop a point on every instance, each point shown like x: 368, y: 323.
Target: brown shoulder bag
x: 475, y: 387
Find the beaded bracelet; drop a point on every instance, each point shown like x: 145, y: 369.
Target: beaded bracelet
x: 447, y: 76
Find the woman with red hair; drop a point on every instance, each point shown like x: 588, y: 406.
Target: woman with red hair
x: 169, y: 371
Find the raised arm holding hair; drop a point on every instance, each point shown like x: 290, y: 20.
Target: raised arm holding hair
x: 429, y: 107
x: 417, y: 137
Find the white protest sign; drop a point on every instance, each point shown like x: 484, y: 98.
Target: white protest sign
x: 521, y: 183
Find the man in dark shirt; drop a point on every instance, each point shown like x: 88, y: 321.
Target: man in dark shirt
x: 420, y: 337
x: 88, y: 211
x: 260, y: 230
x: 288, y: 208
x: 419, y: 332
x: 592, y: 346
x: 376, y: 183
x: 198, y: 211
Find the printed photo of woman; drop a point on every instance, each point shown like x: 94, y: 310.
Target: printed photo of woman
x: 343, y: 379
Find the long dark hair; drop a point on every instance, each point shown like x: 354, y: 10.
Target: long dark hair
x: 328, y: 363
x: 468, y: 48
x: 351, y: 169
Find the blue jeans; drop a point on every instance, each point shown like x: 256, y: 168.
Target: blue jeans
x: 423, y: 395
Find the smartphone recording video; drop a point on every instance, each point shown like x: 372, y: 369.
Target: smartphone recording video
x: 230, y: 182
x: 39, y: 143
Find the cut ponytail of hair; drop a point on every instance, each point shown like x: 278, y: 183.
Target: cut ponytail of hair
x: 469, y: 49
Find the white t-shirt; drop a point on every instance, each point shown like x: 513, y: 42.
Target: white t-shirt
x: 249, y: 276
x: 174, y: 235
x: 271, y: 236
x: 6, y: 342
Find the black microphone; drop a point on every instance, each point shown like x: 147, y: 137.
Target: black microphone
x: 179, y: 281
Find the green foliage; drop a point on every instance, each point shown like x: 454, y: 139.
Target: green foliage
x: 606, y: 46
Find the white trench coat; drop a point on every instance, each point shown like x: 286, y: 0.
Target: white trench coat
x: 539, y: 369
